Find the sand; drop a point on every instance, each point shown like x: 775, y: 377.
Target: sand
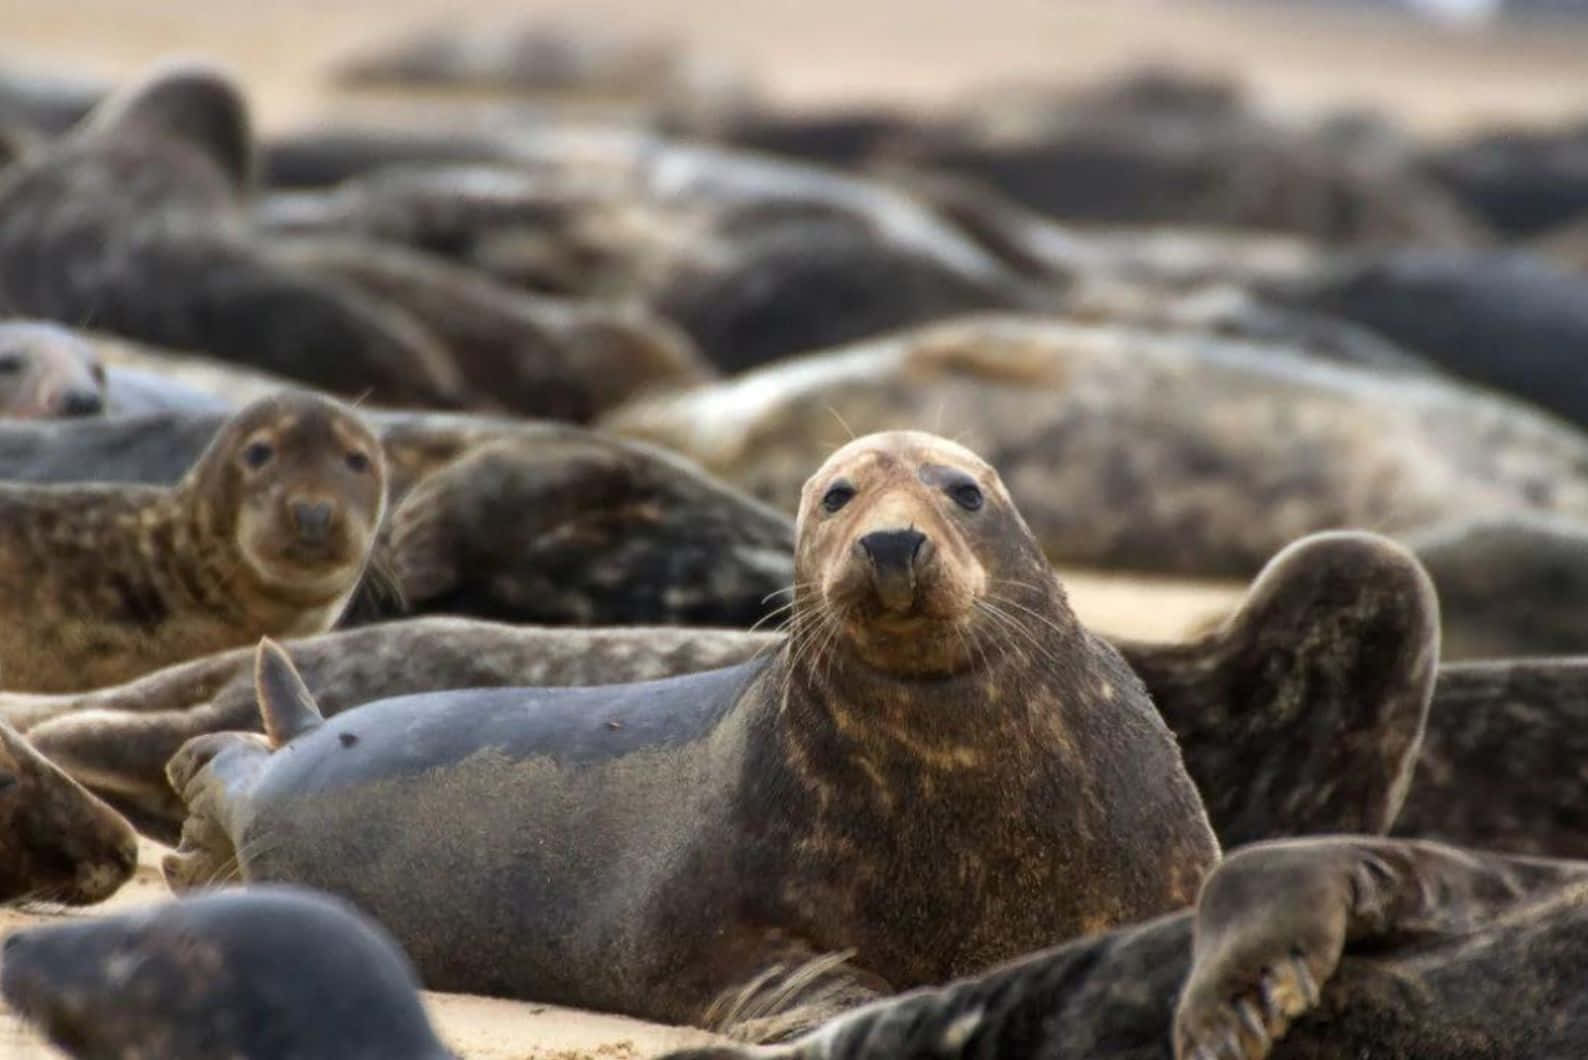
x: 815, y: 53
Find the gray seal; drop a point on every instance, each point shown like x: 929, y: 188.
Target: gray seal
x: 269, y: 973
x: 676, y: 842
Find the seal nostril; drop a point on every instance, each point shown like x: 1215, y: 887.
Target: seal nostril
x: 312, y: 518
x: 893, y: 549
x: 82, y: 403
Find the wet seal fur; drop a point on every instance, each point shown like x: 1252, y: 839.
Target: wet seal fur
x: 58, y: 843
x: 734, y: 824
x: 46, y: 371
x: 269, y: 532
x: 1299, y: 715
x: 267, y: 972
x: 1307, y: 949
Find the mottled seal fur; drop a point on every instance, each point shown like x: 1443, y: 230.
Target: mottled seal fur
x: 46, y: 371
x: 135, y: 222
x: 269, y: 532
x: 733, y: 823
x: 269, y: 973
x: 1130, y: 447
x: 1309, y: 950
x: 1300, y: 715
x: 58, y: 843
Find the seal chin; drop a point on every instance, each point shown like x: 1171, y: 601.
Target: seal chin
x: 313, y: 578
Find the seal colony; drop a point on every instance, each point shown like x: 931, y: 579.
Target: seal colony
x: 268, y: 533
x: 735, y: 824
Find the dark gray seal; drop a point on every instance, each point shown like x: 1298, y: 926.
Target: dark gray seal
x: 1129, y: 447
x: 1306, y: 950
x: 733, y: 824
x: 135, y: 222
x: 269, y: 532
x: 268, y: 973
x: 58, y: 843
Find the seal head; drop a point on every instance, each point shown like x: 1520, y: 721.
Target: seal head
x: 262, y: 972
x: 46, y: 372
x: 297, y: 481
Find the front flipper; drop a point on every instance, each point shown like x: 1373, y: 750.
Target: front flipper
x: 1274, y: 919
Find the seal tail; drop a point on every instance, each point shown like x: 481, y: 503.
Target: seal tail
x: 285, y: 705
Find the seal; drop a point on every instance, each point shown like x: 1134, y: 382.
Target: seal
x: 1300, y: 715
x: 1503, y: 319
x: 1501, y: 763
x: 506, y: 519
x: 1333, y: 946
x: 1130, y: 448
x: 136, y: 221
x: 46, y: 371
x: 261, y: 972
x: 60, y: 843
x: 735, y: 823
x: 268, y: 533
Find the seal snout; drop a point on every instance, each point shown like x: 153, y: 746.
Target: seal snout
x: 313, y: 518
x: 81, y: 402
x: 895, y: 556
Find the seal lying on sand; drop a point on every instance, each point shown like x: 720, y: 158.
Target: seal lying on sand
x: 1132, y: 448
x: 522, y: 521
x: 134, y: 221
x: 268, y: 533
x: 267, y: 972
x: 1339, y: 947
x: 58, y: 843
x: 731, y: 825
x: 1300, y: 715
x: 47, y: 371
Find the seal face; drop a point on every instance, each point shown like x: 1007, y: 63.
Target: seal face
x: 264, y: 972
x: 268, y: 533
x: 57, y: 842
x: 936, y: 702
x: 47, y: 372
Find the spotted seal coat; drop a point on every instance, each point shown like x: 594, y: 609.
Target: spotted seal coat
x: 269, y: 532
x: 737, y: 822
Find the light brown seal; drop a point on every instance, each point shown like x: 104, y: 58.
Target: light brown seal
x: 938, y: 769
x: 268, y: 533
x: 58, y: 843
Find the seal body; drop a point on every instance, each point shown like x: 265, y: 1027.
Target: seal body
x: 58, y: 843
x: 268, y: 533
x: 936, y: 703
x: 271, y: 973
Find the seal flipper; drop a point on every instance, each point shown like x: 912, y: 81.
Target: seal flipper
x: 286, y: 707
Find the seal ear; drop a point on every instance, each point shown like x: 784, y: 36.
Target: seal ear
x: 285, y: 705
x: 191, y: 101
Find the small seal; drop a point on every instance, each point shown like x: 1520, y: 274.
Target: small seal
x: 258, y: 972
x: 938, y: 770
x: 1336, y: 946
x: 268, y: 533
x: 58, y: 843
x: 47, y: 371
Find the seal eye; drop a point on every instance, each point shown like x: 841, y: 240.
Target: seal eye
x: 357, y: 462
x: 967, y: 496
x: 837, y: 496
x: 10, y: 363
x: 258, y: 454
